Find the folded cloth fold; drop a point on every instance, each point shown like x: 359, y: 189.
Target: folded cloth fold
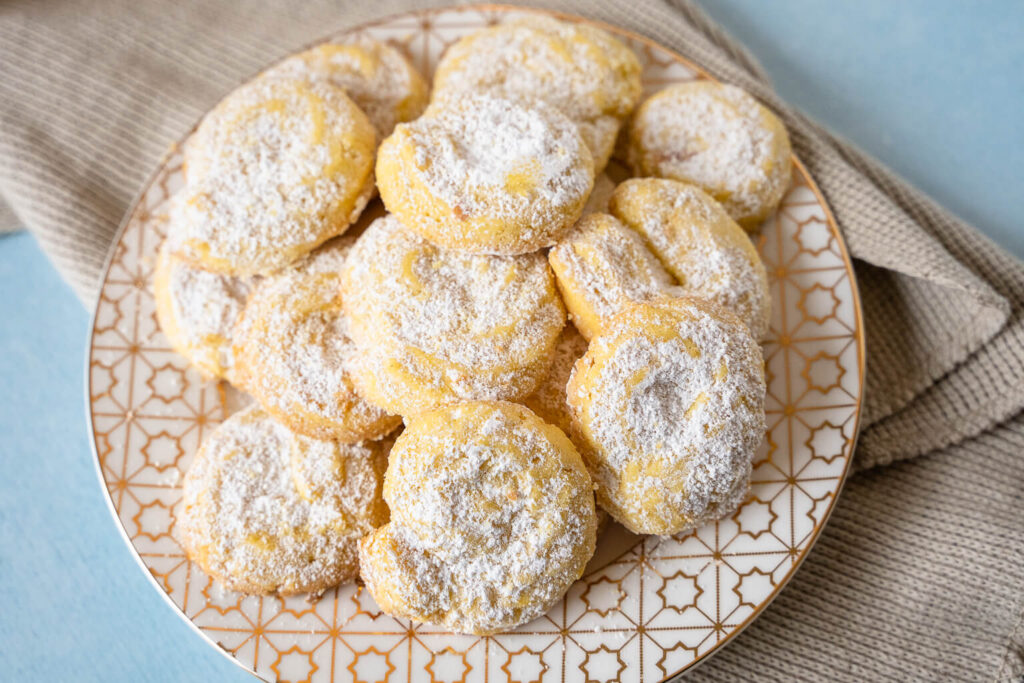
x: 921, y: 571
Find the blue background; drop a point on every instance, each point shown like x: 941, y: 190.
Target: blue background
x: 935, y: 88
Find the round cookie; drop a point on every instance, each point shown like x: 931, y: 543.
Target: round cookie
x: 579, y: 69
x: 434, y: 326
x: 492, y: 519
x: 277, y: 168
x: 668, y: 404
x: 699, y: 244
x: 548, y: 401
x: 246, y: 524
x: 719, y: 138
x: 376, y: 76
x: 602, y: 266
x: 197, y: 311
x: 486, y: 175
x: 293, y: 353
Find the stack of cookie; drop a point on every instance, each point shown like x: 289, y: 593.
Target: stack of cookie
x: 448, y: 314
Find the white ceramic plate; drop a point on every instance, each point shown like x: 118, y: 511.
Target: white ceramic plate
x: 646, y: 609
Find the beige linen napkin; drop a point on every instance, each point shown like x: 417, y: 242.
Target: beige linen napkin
x: 920, y: 573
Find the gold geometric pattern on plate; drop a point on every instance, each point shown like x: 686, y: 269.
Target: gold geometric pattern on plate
x: 646, y: 609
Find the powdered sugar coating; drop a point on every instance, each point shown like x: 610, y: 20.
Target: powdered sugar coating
x: 245, y: 523
x: 197, y: 311
x: 719, y: 138
x: 435, y: 326
x: 695, y: 239
x: 486, y: 175
x: 602, y: 266
x: 548, y: 401
x: 349, y: 475
x: 294, y: 353
x: 378, y: 78
x: 277, y: 168
x: 581, y: 70
x: 668, y: 405
x: 492, y: 520
x: 577, y: 67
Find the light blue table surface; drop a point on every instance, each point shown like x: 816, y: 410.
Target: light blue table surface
x: 935, y: 88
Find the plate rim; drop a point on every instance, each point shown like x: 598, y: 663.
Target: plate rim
x: 175, y: 146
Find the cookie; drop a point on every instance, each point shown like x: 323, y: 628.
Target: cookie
x: 709, y: 255
x: 719, y: 138
x: 492, y: 519
x: 349, y: 476
x: 247, y: 524
x: 277, y: 168
x: 197, y: 311
x: 486, y: 175
x: 668, y: 408
x: 579, y: 69
x: 293, y: 352
x: 434, y: 326
x: 548, y: 401
x: 375, y: 75
x: 602, y: 266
